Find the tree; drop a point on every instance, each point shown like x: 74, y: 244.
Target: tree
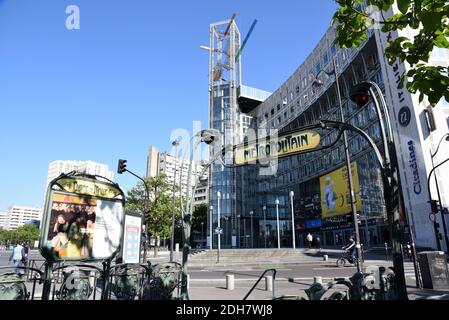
x: 430, y: 19
x: 199, y: 216
x: 26, y: 232
x: 157, y: 208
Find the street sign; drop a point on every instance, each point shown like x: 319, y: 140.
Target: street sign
x: 218, y: 230
x: 432, y: 217
x: 274, y: 147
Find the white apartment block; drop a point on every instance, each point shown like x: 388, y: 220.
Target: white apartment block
x: 166, y: 163
x: 57, y: 167
x: 16, y: 216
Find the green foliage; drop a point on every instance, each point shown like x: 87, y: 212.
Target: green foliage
x: 158, y: 207
x: 199, y: 216
x: 430, y: 19
x: 26, y: 232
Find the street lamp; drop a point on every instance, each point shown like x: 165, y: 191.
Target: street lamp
x: 292, y: 194
x: 175, y: 143
x: 218, y: 227
x: 207, y: 136
x: 252, y: 238
x: 360, y: 94
x: 265, y: 224
x: 277, y: 221
x: 202, y: 237
x: 238, y: 225
x: 352, y: 198
x: 210, y: 227
x: 226, y: 230
x: 432, y: 155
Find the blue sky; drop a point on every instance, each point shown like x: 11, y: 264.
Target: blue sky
x: 127, y: 78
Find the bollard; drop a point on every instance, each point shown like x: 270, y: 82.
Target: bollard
x: 318, y: 280
x: 229, y: 282
x: 325, y: 257
x: 268, y: 283
x: 176, y: 247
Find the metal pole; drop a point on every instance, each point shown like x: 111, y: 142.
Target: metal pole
x: 238, y: 221
x: 252, y: 237
x: 219, y: 233
x: 175, y: 144
x: 437, y: 238
x: 202, y: 236
x: 443, y: 219
x: 210, y: 228
x: 391, y: 191
x: 359, y: 262
x: 277, y: 221
x: 292, y: 194
x: 265, y: 224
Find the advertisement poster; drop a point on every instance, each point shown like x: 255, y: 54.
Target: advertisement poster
x: 82, y: 225
x: 131, y: 239
x: 335, y: 197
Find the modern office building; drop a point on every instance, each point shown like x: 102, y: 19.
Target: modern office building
x: 17, y: 216
x: 177, y: 170
x: 299, y: 101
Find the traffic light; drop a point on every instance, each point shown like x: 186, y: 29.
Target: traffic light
x: 434, y: 206
x: 360, y: 94
x: 121, y: 166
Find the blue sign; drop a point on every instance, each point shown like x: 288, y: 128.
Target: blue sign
x: 312, y: 224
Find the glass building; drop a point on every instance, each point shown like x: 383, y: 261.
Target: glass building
x: 249, y: 193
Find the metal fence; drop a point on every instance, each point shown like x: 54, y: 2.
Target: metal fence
x: 68, y: 281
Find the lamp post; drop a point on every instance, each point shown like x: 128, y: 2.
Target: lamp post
x: 443, y: 220
x: 264, y: 208
x: 207, y: 136
x: 352, y: 198
x: 277, y: 221
x: 175, y: 144
x: 202, y: 237
x: 252, y: 238
x: 226, y: 230
x: 292, y: 194
x: 218, y: 227
x: 238, y: 226
x: 360, y: 94
x: 210, y: 227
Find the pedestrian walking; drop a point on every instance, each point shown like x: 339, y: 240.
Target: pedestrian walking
x: 409, y: 251
x: 17, y: 255
x: 318, y: 242
x: 309, y: 239
x: 26, y: 251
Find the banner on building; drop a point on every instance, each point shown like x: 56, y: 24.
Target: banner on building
x: 335, y: 196
x: 83, y: 219
x: 281, y: 146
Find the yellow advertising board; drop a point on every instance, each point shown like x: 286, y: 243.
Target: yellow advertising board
x: 273, y: 148
x: 335, y: 196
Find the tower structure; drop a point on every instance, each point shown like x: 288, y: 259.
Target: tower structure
x: 225, y: 116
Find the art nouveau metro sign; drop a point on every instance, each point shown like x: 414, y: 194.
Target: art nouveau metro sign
x: 276, y: 147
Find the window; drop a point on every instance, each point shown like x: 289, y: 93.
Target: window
x: 325, y: 58
x: 266, y: 115
x: 297, y: 89
x: 272, y: 111
x: 333, y: 48
x: 278, y: 107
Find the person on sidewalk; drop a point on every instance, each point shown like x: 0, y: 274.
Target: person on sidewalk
x: 350, y: 248
x: 309, y: 239
x: 318, y: 242
x: 17, y: 255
